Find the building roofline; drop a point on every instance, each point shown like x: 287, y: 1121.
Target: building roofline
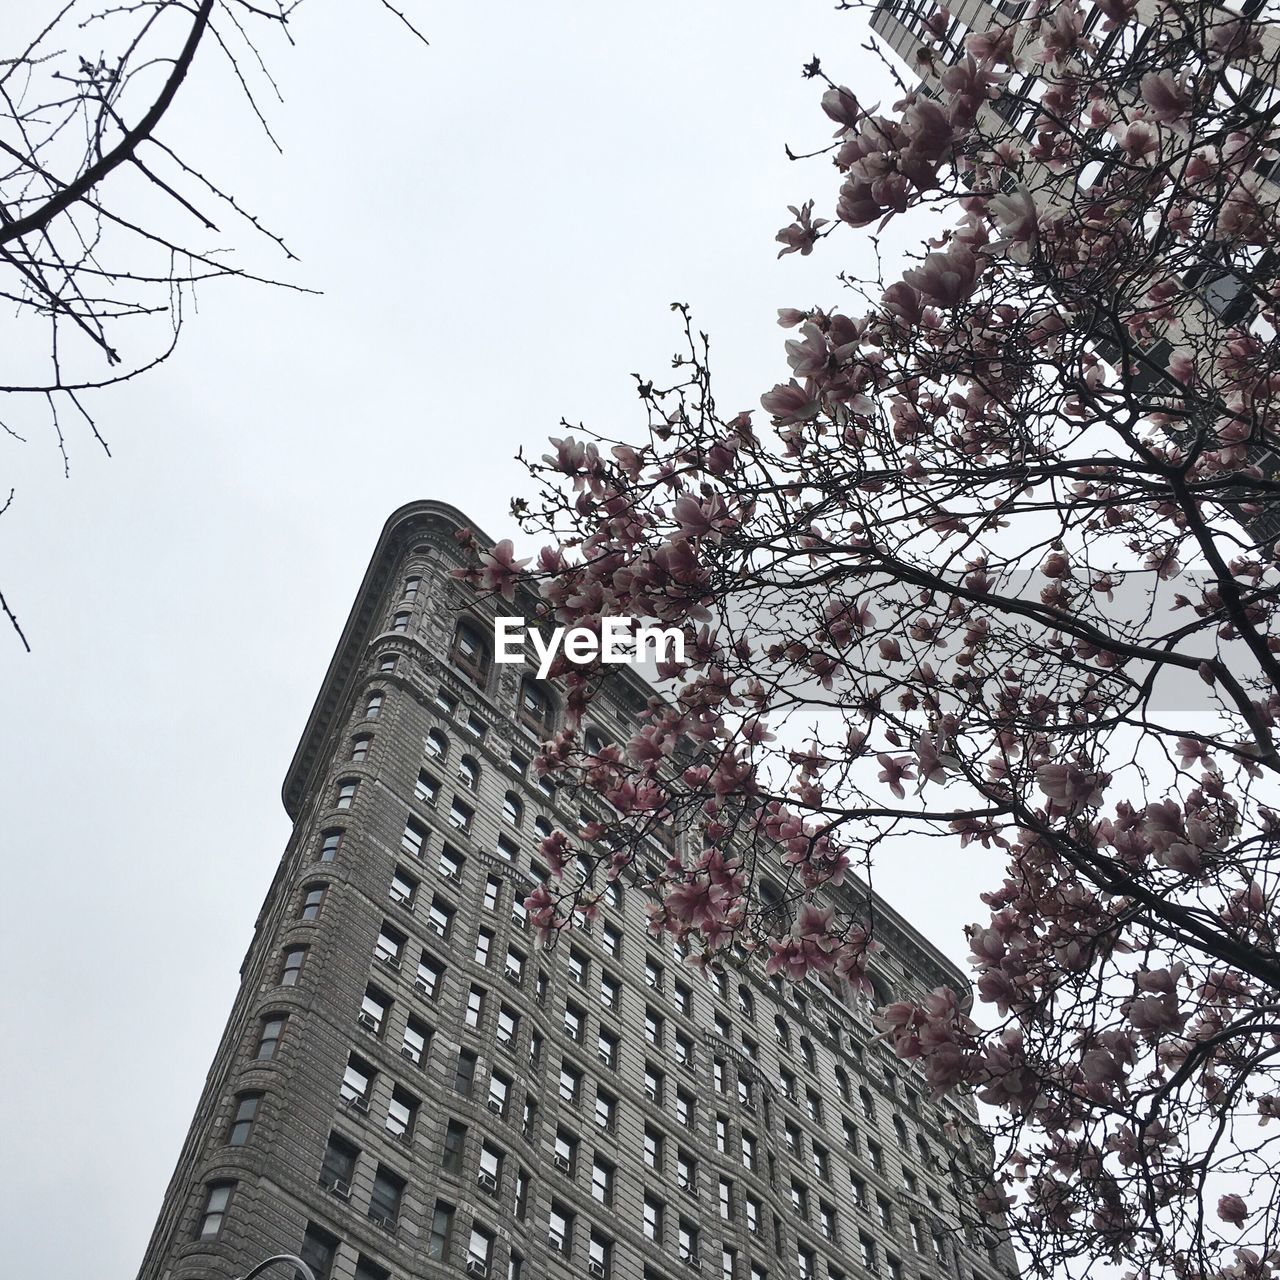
x: 399, y: 527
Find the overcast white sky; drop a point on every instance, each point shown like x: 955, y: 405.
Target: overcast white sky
x: 498, y: 224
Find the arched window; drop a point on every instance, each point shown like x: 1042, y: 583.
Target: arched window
x: 900, y: 1130
x: 746, y: 1005
x: 842, y: 1083
x: 537, y: 707
x: 806, y: 1052
x: 512, y: 809
x: 781, y: 1032
x: 926, y: 1156
x: 542, y: 826
x: 437, y: 745
x: 373, y: 707
x: 594, y: 742
x: 470, y: 653
x: 469, y: 773
x: 868, y: 1103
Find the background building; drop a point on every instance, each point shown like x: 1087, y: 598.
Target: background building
x: 408, y: 1086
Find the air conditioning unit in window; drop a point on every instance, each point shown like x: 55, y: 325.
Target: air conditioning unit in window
x: 556, y: 1241
x: 495, y: 1106
x: 596, y: 1269
x: 386, y: 1223
x: 337, y: 1186
x: 477, y: 1267
x: 693, y: 1264
x: 516, y: 979
x: 389, y: 960
x: 368, y: 1022
x: 411, y: 1054
x: 562, y: 1161
x: 487, y: 1181
x: 356, y: 1101
x: 420, y: 984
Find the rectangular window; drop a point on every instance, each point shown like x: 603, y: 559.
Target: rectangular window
x: 479, y: 1251
x: 490, y: 1176
x: 686, y: 1109
x: 579, y: 965
x: 608, y: 1048
x: 374, y: 1008
x: 430, y: 975
x: 460, y: 815
x: 427, y: 788
x: 686, y: 1171
x: 492, y: 893
x: 606, y: 1110
x: 508, y: 1027
x: 338, y: 1165
x: 560, y: 1228
x: 827, y: 1219
x: 652, y: 974
x: 475, y: 1006
x: 318, y: 1250
x: 414, y: 839
x: 599, y: 1256
x: 513, y: 967
x: 610, y: 991
x: 455, y: 1147
x: 687, y: 1242
x: 403, y: 888
x: 654, y: 1024
x: 611, y: 940
x: 570, y: 1083
x: 357, y: 1083
x: 441, y: 1232
x: 726, y: 1199
x: 465, y: 1074
x: 484, y: 941
x: 602, y: 1179
x: 499, y: 1093
x: 390, y: 945
x: 654, y: 1083
x: 417, y: 1036
x: 752, y: 1210
x: 574, y: 1022
x: 402, y: 1111
x: 242, y: 1120
x: 653, y: 1144
x: 440, y: 917
x: 216, y: 1201
x: 654, y: 1211
x: 566, y: 1152
x: 684, y: 1049
x: 450, y: 863
x: 384, y: 1200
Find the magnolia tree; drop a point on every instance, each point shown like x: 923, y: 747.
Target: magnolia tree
x: 995, y: 567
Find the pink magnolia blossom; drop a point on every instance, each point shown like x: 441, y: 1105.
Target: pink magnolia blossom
x: 1233, y: 1210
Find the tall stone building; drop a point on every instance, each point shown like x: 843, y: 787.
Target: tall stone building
x: 408, y: 1086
